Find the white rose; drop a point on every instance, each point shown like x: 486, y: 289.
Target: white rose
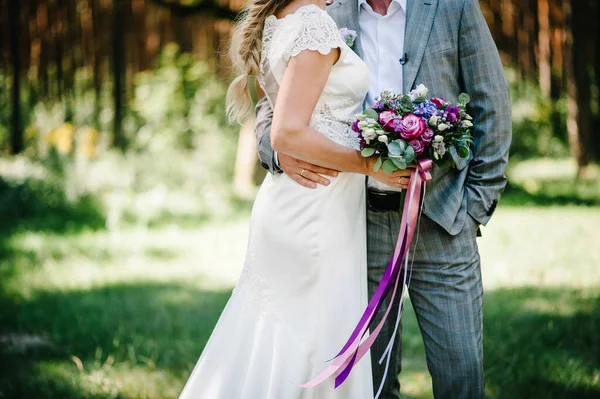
x: 369, y: 134
x: 363, y: 124
x: 421, y: 90
x: 370, y: 121
x: 467, y: 123
x: 438, y: 138
x: 442, y: 127
x: 434, y: 120
x: 383, y: 139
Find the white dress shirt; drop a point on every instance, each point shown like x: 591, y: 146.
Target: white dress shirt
x: 382, y: 41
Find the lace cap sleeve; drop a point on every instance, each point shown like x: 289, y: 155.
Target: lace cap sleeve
x: 316, y: 31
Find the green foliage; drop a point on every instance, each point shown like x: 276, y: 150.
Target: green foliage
x: 367, y: 152
x: 463, y: 99
x: 179, y: 103
x: 378, y: 164
x: 179, y: 160
x: 389, y: 166
x: 371, y: 113
x: 406, y: 104
x: 539, y: 124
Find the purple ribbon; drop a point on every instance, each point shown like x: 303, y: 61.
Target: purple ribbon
x: 357, y: 345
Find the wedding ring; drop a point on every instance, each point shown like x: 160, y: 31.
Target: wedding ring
x: 302, y: 173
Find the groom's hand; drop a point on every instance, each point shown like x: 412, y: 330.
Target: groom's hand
x: 304, y: 173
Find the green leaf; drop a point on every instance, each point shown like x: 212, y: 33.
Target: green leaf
x: 410, y: 155
x: 397, y: 147
x: 419, y: 100
x: 367, y: 152
x: 406, y: 104
x: 399, y: 162
x: 389, y: 166
x: 446, y: 161
x: 464, y: 98
x: 462, y: 151
x: 371, y: 113
x: 378, y: 164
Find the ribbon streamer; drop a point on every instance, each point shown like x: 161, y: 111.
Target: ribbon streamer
x: 358, y: 345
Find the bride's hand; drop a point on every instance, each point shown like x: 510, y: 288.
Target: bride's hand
x: 399, y: 178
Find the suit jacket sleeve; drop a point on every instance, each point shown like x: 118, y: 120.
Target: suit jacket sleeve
x: 483, y: 78
x: 264, y: 117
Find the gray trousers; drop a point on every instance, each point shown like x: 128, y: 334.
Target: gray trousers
x: 447, y: 295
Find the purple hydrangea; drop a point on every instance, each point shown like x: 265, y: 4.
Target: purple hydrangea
x: 426, y: 109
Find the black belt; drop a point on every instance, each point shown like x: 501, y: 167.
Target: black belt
x: 381, y: 201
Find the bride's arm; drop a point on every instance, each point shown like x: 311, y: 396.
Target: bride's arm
x: 302, y: 84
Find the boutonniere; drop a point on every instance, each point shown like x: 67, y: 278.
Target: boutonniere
x: 348, y: 36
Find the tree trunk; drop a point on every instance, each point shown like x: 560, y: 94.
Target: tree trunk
x: 118, y: 71
x: 578, y: 83
x: 17, y: 142
x: 545, y: 71
x: 596, y: 43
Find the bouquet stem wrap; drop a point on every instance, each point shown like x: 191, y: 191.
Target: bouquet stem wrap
x: 360, y: 341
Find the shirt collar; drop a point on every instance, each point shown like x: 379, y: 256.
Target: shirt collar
x: 401, y: 2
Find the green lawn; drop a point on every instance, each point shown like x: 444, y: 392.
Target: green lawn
x: 93, y: 314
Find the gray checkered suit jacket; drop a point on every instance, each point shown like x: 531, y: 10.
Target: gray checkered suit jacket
x: 450, y: 51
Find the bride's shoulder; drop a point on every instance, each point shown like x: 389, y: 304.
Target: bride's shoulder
x: 309, y: 12
x: 307, y: 28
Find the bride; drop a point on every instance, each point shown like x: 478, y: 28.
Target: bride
x: 303, y: 287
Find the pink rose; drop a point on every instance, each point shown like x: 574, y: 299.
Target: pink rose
x: 438, y: 101
x: 418, y: 146
x: 393, y: 125
x: 427, y: 136
x: 385, y: 117
x: 412, y: 126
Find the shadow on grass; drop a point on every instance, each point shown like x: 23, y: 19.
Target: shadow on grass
x: 539, y: 343
x: 551, y: 193
x: 154, y: 326
x: 40, y: 205
x: 542, y: 343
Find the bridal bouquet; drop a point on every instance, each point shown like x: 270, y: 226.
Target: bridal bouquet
x: 403, y: 128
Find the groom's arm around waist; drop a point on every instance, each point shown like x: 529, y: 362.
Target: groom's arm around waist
x: 264, y: 117
x: 482, y: 76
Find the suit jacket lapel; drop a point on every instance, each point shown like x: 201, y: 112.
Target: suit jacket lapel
x: 346, y: 16
x: 419, y: 21
x: 355, y: 26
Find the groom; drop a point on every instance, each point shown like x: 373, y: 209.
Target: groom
x: 447, y: 46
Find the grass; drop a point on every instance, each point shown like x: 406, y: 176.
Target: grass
x: 89, y: 313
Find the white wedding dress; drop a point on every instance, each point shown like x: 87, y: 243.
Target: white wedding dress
x: 304, y: 284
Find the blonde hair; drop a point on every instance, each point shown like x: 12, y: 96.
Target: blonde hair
x: 245, y: 50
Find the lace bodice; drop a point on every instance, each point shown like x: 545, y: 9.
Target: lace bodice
x: 311, y: 28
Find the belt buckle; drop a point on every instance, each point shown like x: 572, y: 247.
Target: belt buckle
x: 375, y: 193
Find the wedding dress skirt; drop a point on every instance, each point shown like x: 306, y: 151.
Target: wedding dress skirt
x: 302, y: 290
